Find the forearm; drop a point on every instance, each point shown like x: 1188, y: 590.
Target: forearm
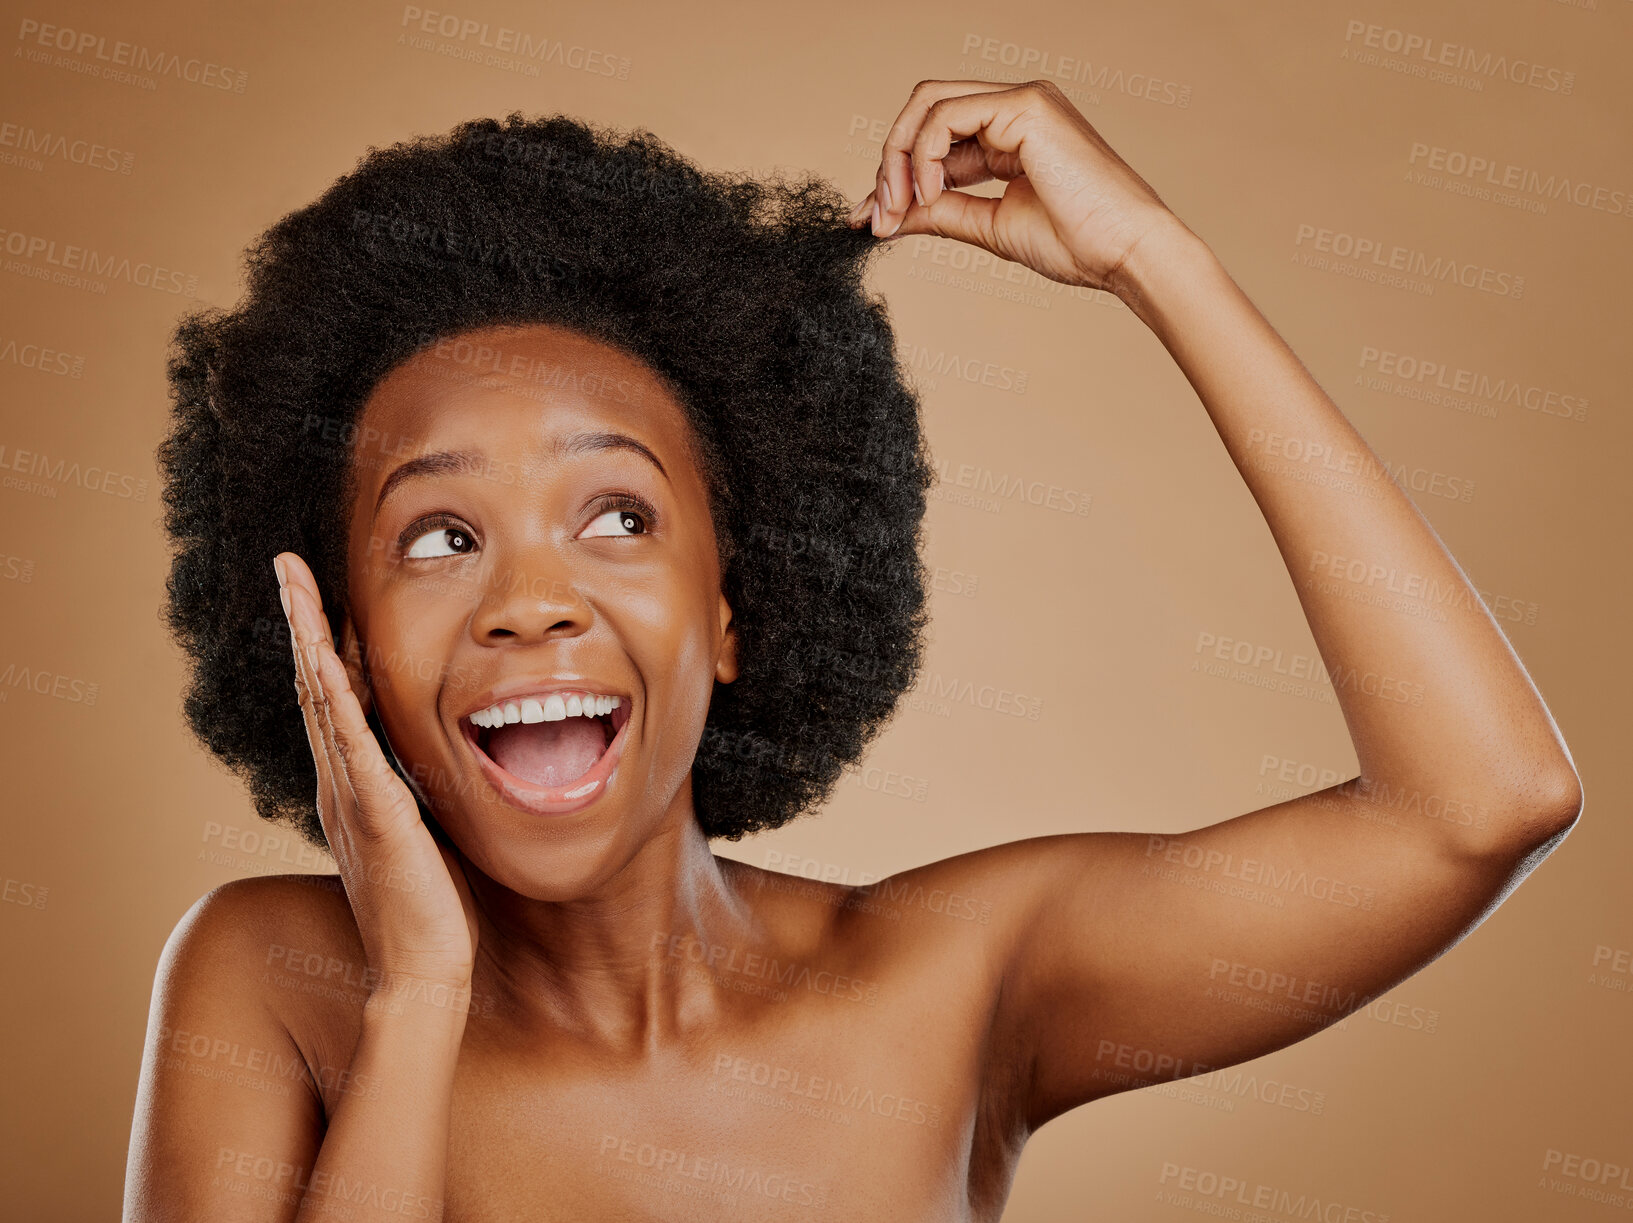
x: 385, y: 1152
x: 1433, y: 695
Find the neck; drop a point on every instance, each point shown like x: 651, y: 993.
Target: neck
x: 612, y: 966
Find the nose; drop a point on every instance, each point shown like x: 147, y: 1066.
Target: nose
x: 530, y: 597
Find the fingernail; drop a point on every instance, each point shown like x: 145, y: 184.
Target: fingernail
x: 884, y: 193
x: 283, y: 597
x: 860, y: 211
x: 278, y: 568
x: 917, y: 194
x: 876, y: 218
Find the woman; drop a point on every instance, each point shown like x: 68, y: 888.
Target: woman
x: 590, y: 605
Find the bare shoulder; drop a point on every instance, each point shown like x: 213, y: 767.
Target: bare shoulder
x: 241, y: 918
x: 240, y: 1054
x: 286, y: 945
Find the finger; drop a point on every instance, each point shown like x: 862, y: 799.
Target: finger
x: 954, y: 214
x: 383, y: 803
x: 990, y: 122
x: 312, y: 697
x: 967, y: 164
x: 894, y: 183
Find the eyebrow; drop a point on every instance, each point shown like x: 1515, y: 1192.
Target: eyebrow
x: 465, y: 462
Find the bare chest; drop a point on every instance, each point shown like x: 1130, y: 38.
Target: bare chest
x: 851, y: 1117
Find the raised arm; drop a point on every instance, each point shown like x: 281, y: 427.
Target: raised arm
x: 1126, y: 958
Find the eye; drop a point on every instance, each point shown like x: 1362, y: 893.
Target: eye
x: 620, y: 515
x: 437, y: 537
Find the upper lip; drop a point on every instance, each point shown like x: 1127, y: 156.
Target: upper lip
x: 516, y: 690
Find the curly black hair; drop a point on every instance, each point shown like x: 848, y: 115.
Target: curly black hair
x: 743, y: 294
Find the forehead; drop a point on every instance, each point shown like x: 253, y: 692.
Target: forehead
x: 524, y: 387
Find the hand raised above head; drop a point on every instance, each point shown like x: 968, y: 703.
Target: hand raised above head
x: 1072, y: 211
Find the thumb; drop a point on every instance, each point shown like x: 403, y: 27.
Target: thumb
x: 952, y: 214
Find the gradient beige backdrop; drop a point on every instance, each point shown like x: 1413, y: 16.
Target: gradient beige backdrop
x: 1494, y: 1085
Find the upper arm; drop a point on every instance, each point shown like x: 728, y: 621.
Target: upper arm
x: 227, y: 1116
x: 1132, y: 958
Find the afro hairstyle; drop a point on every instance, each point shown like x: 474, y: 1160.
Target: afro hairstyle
x: 743, y: 294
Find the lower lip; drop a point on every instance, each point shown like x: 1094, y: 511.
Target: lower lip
x: 551, y: 800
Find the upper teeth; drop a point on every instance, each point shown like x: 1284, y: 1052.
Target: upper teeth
x: 552, y: 708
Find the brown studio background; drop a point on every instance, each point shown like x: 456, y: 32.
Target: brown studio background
x: 1445, y: 1099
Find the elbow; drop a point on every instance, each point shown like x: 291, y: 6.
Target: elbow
x: 1544, y: 817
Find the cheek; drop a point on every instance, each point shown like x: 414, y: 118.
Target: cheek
x: 408, y: 649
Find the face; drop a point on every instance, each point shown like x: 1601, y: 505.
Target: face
x: 531, y: 537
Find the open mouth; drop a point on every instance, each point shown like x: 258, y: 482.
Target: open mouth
x: 550, y: 748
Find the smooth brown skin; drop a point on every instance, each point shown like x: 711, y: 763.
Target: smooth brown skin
x: 557, y: 937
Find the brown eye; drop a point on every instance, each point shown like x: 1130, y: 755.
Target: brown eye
x: 440, y: 541
x: 616, y: 522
